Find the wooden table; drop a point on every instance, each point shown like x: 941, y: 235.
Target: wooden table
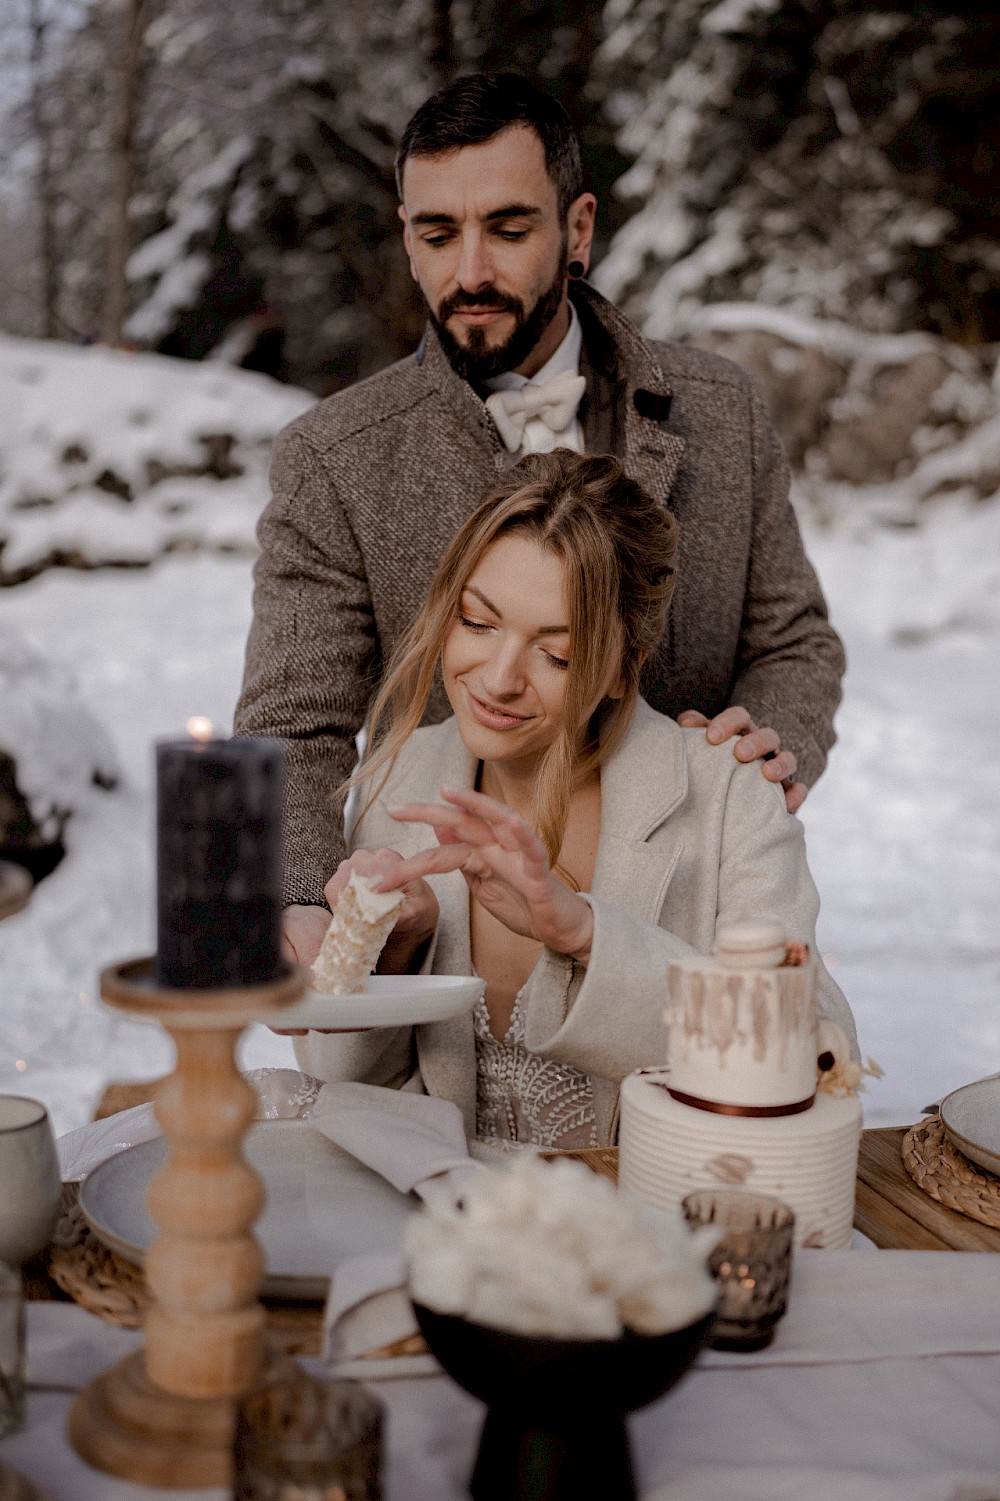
x: 899, y: 1216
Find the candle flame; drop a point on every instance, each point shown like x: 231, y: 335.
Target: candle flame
x: 199, y: 728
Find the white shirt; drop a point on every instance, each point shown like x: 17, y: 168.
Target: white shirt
x: 564, y: 360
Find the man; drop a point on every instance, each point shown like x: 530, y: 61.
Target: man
x: 521, y: 354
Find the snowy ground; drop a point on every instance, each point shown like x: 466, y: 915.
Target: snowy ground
x: 904, y: 830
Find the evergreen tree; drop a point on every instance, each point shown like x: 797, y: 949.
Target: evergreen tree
x: 833, y: 157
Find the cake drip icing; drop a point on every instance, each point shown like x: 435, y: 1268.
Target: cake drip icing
x: 722, y: 1009
x: 743, y: 1024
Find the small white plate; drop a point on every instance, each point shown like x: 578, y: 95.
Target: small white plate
x: 971, y: 1117
x: 323, y: 1206
x: 386, y: 1001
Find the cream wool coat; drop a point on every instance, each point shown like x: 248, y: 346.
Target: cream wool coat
x: 690, y: 839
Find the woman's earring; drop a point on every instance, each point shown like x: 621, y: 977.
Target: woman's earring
x: 576, y: 269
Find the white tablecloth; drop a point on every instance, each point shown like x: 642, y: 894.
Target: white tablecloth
x: 883, y: 1385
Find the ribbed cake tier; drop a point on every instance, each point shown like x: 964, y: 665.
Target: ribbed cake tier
x: 808, y: 1160
x: 742, y: 1036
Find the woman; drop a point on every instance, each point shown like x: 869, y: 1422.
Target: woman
x: 583, y: 840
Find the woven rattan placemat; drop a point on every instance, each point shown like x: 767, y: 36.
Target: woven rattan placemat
x: 940, y: 1169
x: 91, y: 1273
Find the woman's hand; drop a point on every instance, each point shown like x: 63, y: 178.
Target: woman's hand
x: 506, y: 867
x: 418, y: 916
x: 304, y: 928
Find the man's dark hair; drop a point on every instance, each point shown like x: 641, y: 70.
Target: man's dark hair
x: 473, y: 109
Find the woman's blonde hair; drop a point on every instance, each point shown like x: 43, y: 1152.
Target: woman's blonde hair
x: 617, y: 546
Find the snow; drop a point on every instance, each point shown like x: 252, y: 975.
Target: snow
x: 178, y: 256
x: 116, y: 457
x: 903, y: 830
x: 59, y: 747
x: 840, y: 341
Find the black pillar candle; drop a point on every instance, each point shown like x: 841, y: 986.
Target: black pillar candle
x: 218, y: 859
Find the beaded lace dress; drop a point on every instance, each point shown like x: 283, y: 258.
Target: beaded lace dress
x: 523, y: 1100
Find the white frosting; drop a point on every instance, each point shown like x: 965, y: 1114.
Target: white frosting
x: 808, y: 1160
x: 373, y: 905
x: 741, y: 1035
x: 553, y: 1250
x: 356, y: 936
x: 751, y: 945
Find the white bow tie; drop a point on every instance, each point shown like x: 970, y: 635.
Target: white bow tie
x: 552, y: 404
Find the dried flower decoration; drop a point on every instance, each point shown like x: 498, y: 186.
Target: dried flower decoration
x: 840, y: 1073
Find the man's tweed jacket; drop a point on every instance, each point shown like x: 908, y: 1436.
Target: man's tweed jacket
x: 370, y: 486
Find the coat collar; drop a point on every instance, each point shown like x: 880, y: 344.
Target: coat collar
x: 645, y: 778
x: 651, y: 453
x: 642, y: 783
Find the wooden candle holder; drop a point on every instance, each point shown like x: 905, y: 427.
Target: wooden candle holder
x: 164, y: 1415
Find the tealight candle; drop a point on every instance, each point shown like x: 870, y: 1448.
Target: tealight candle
x: 218, y: 860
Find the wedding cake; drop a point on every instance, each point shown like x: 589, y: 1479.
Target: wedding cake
x: 758, y: 1092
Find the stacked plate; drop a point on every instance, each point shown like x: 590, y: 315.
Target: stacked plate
x: 809, y: 1160
x: 971, y: 1117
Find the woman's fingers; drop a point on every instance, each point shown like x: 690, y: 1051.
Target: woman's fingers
x: 448, y: 824
x: 510, y: 828
x: 378, y: 863
x: 480, y: 822
x: 438, y: 861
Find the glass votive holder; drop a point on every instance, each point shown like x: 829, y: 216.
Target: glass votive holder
x: 752, y: 1263
x: 299, y: 1439
x: 12, y: 1377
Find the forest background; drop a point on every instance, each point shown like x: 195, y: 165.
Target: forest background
x: 811, y: 187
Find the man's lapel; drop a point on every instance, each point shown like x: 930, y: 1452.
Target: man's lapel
x: 460, y: 398
x: 650, y: 454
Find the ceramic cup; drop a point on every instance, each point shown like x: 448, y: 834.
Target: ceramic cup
x: 30, y: 1186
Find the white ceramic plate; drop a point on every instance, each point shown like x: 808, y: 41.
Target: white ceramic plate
x: 971, y: 1117
x: 387, y: 1001
x: 323, y: 1206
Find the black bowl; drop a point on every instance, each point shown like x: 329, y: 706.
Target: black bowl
x: 555, y: 1426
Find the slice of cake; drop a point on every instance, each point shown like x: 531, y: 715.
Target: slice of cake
x: 356, y: 936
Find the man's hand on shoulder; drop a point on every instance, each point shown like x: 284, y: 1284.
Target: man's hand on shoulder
x: 755, y: 743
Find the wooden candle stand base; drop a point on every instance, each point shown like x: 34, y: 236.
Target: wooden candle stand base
x: 164, y: 1416
x: 121, y: 1423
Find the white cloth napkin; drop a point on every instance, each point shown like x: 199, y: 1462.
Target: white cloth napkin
x: 418, y: 1144
x: 82, y: 1150
x: 805, y: 1482
x: 845, y: 1309
x: 539, y: 416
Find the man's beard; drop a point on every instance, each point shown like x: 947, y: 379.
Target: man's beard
x: 476, y: 361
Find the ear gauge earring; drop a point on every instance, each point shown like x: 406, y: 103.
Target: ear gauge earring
x: 576, y: 269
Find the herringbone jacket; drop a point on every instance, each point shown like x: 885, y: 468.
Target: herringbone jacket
x: 370, y: 486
